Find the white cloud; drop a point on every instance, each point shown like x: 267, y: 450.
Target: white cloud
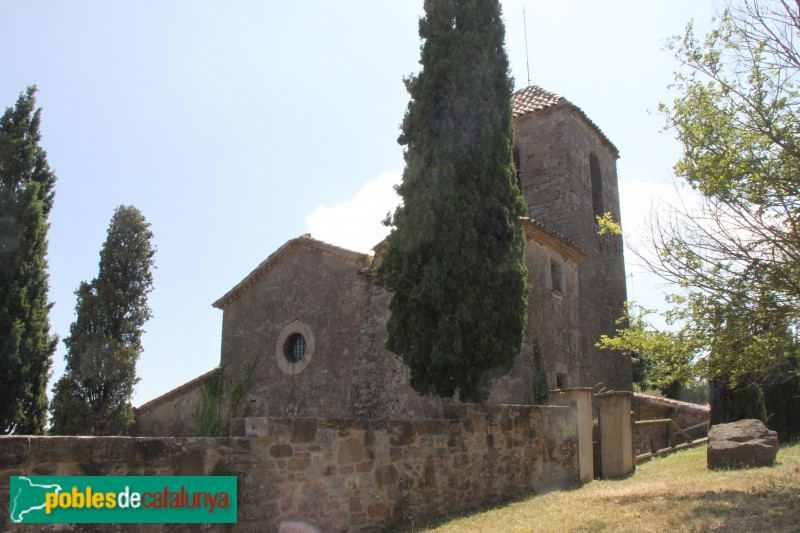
x: 356, y: 224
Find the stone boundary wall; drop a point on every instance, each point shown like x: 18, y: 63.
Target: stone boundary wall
x: 341, y: 475
x: 173, y: 414
x: 653, y: 438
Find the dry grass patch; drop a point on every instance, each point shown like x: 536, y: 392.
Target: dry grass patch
x: 676, y: 493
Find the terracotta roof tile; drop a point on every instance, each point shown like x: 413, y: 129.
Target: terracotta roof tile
x: 532, y: 99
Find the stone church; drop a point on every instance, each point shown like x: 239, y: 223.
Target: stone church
x: 303, y: 333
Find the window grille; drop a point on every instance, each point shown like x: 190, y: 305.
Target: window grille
x: 295, y: 348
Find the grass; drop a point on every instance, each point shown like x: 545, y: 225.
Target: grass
x: 676, y: 493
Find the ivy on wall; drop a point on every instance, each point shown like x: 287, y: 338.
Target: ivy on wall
x: 209, y: 420
x: 541, y: 393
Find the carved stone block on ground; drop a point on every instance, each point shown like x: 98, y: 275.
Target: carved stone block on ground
x: 741, y: 444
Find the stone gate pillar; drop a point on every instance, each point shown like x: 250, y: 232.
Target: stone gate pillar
x: 616, y: 433
x: 583, y: 401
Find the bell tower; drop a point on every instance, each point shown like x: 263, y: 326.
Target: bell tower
x: 567, y: 172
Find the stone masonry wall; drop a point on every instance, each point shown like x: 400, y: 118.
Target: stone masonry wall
x: 322, y: 291
x: 342, y: 475
x: 553, y: 319
x: 174, y: 414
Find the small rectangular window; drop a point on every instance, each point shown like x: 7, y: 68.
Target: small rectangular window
x: 556, y: 277
x: 561, y: 376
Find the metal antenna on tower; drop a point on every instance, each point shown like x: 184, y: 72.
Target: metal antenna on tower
x: 527, y: 61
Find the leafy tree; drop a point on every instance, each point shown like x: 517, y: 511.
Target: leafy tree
x: 26, y: 197
x: 104, y: 344
x: 736, y: 255
x: 454, y: 259
x: 661, y: 359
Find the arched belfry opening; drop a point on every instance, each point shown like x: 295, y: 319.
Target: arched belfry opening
x: 597, y: 186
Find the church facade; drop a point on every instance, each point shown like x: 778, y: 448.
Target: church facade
x: 303, y: 333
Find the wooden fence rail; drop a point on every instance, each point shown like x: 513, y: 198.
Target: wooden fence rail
x: 671, y: 444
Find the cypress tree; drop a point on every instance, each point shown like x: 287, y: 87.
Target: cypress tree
x: 454, y: 258
x: 730, y: 404
x: 26, y: 198
x: 782, y: 403
x: 104, y: 343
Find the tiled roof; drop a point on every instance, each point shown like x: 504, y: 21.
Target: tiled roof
x: 675, y: 404
x: 552, y: 239
x: 177, y: 391
x: 305, y: 241
x: 533, y: 99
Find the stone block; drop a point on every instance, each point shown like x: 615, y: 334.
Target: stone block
x: 253, y: 427
x: 14, y: 451
x: 386, y: 475
x: 304, y: 430
x: 401, y: 433
x: 46, y: 469
x: 351, y: 451
x: 62, y: 449
x: 741, y: 444
x: 377, y: 510
x: 92, y: 468
x: 355, y: 505
x: 395, y: 453
x: 238, y: 427
x: 151, y: 451
x: 190, y: 462
x: 281, y: 450
x: 299, y: 463
x: 112, y: 449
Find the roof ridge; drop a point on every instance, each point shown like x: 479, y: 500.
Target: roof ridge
x: 265, y: 265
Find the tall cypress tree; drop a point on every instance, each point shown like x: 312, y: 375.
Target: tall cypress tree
x: 104, y: 343
x: 26, y: 198
x: 454, y: 259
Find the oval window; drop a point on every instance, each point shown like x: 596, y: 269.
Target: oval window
x: 295, y: 348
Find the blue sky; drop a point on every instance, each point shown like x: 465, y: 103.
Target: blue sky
x: 236, y: 126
